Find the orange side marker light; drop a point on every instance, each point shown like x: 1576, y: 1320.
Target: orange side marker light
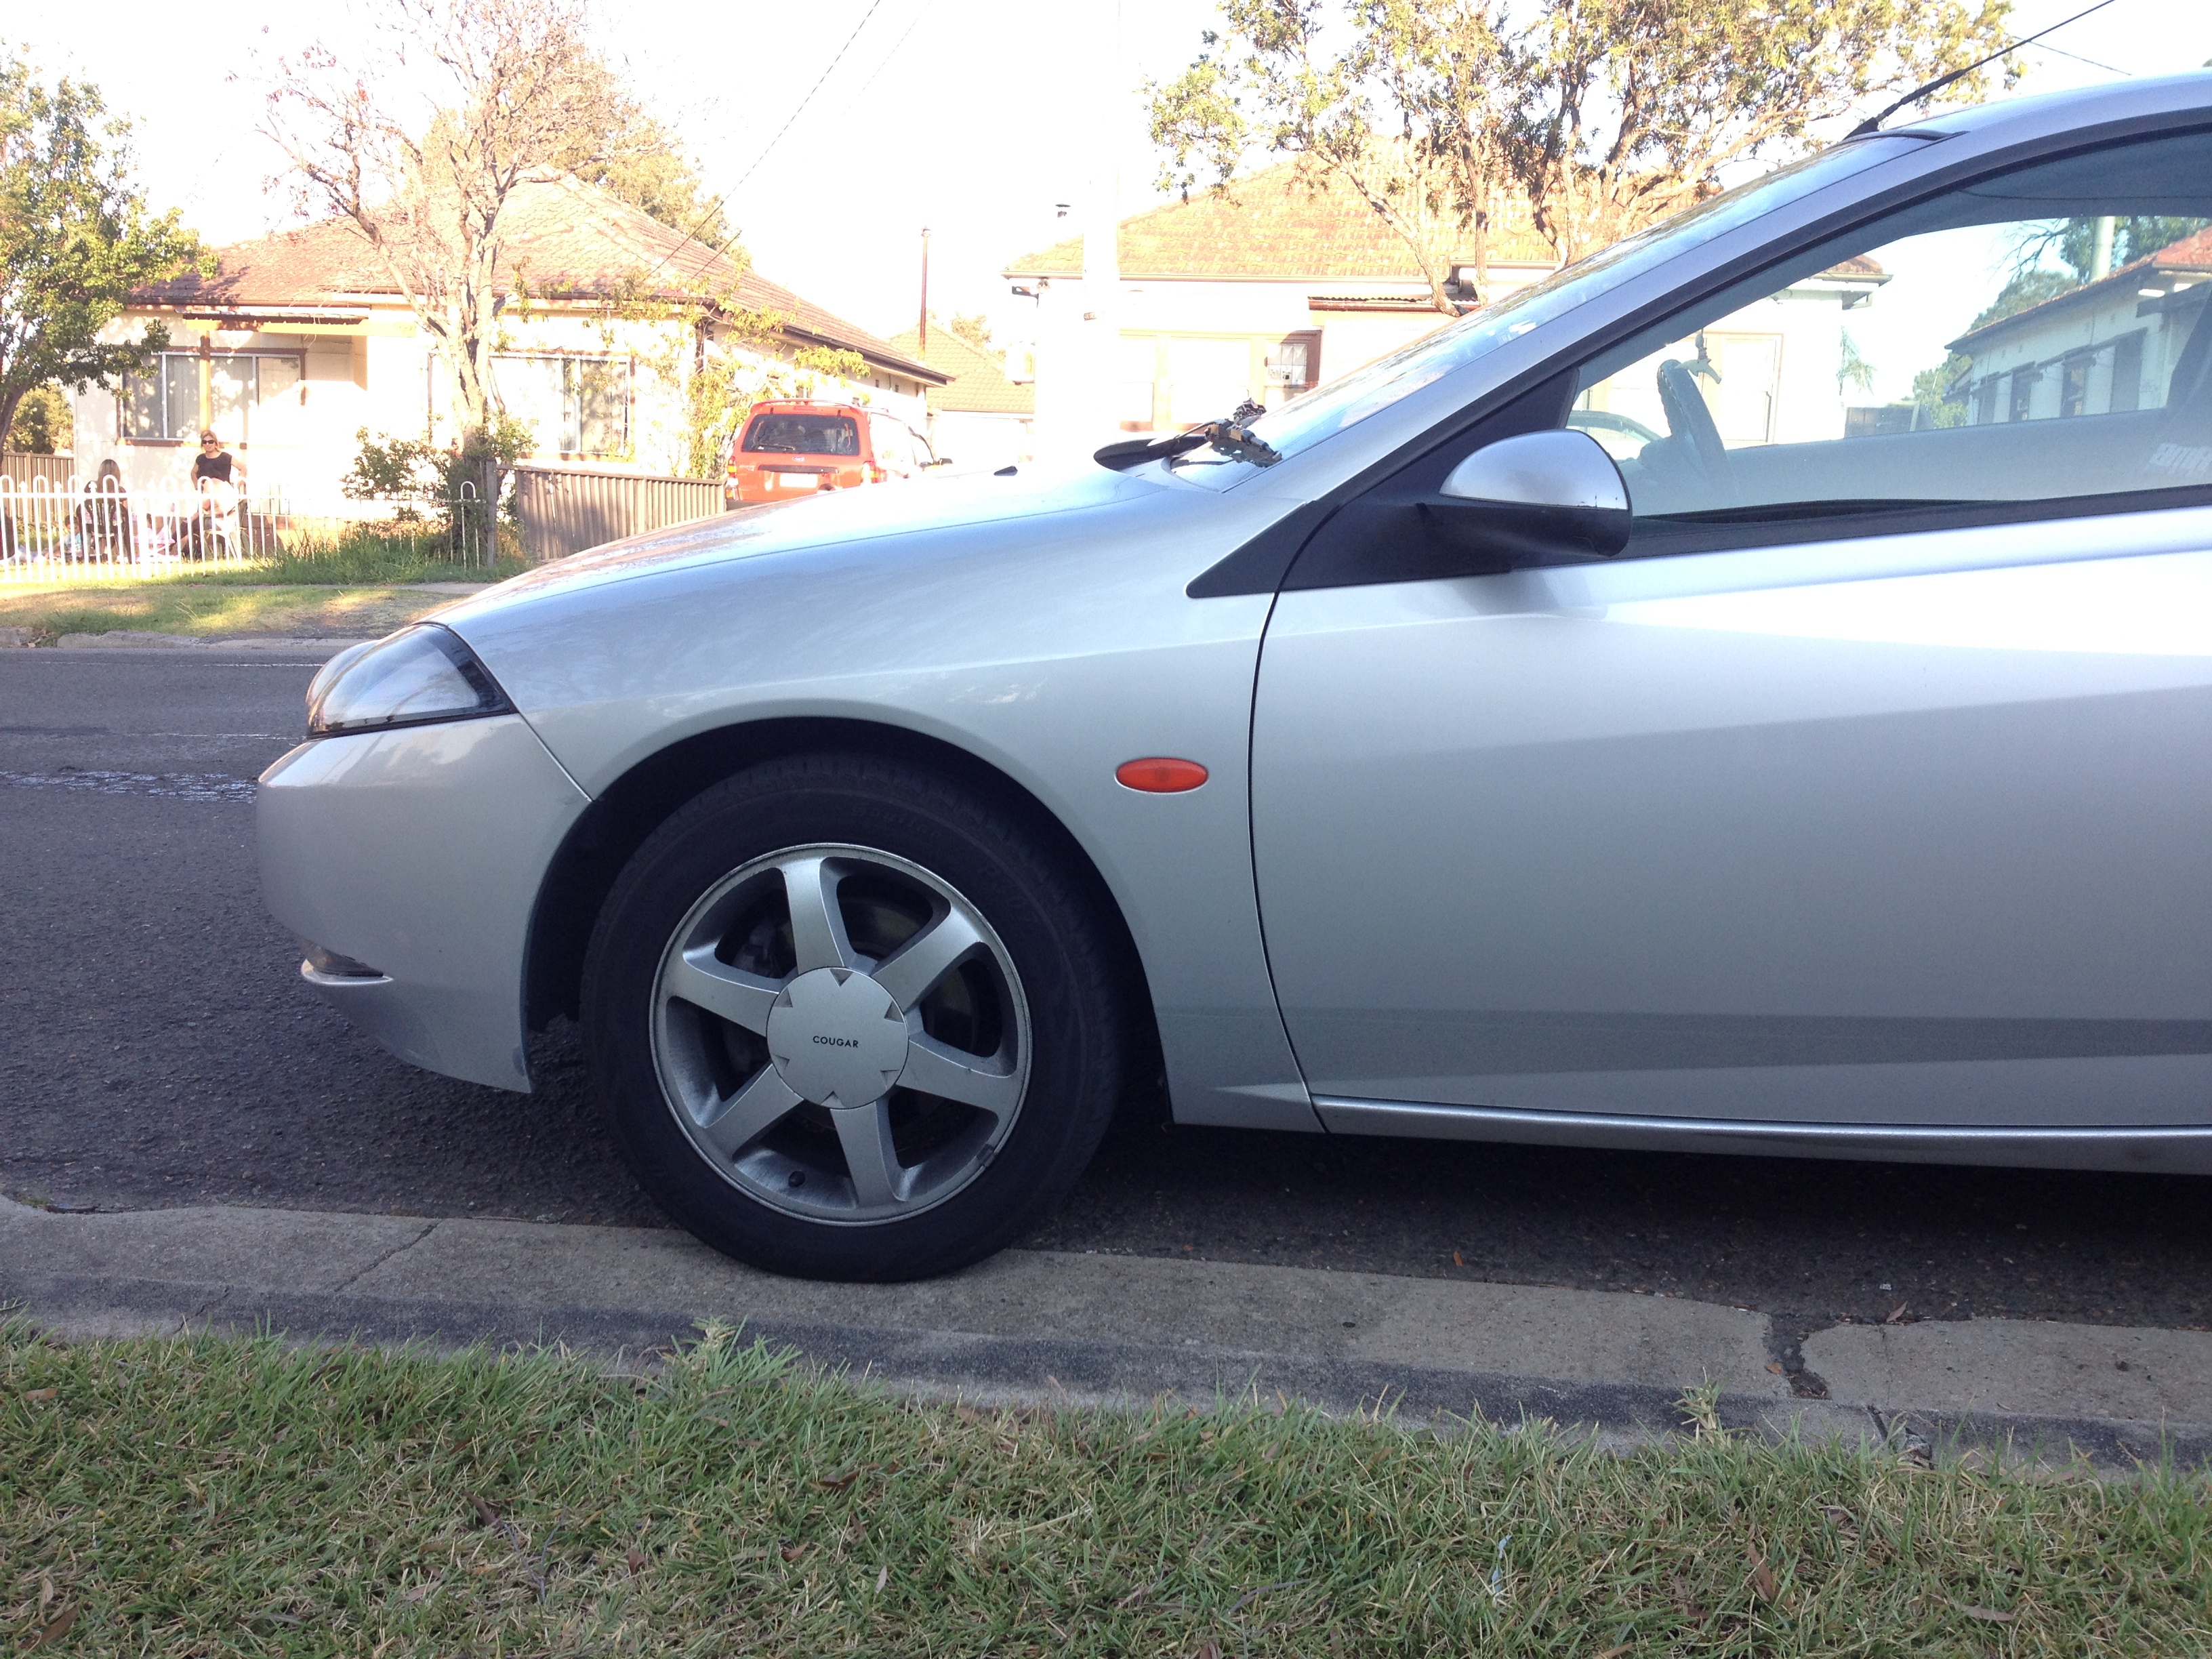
x: 1160, y: 775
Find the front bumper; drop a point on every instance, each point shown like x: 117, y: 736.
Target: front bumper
x: 420, y: 853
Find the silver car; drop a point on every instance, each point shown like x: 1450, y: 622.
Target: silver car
x: 1749, y: 692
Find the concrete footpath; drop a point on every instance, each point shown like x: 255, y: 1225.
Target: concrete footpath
x: 1039, y: 1325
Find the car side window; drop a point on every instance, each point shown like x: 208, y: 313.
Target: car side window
x: 2040, y: 335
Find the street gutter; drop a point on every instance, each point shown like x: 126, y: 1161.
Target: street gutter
x: 1051, y: 1328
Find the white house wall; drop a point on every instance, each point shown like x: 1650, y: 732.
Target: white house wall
x: 388, y: 380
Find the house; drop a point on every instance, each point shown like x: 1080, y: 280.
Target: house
x: 1259, y: 288
x: 299, y: 341
x: 982, y: 419
x: 2106, y: 347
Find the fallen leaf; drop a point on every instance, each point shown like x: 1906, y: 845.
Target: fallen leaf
x: 883, y: 1578
x: 1897, y: 1316
x: 1988, y: 1615
x: 637, y: 1562
x: 1612, y: 1653
x: 1774, y: 1365
x: 1458, y: 1261
x: 792, y: 1551
x: 838, y: 1483
x: 486, y: 1515
x: 420, y: 1591
x: 1762, y: 1575
x: 1208, y: 1650
x: 55, y: 1631
x: 1841, y: 1516
x: 39, y: 1396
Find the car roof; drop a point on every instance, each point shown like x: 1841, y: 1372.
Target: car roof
x: 2085, y: 107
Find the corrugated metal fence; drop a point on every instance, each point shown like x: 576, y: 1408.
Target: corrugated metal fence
x: 564, y: 511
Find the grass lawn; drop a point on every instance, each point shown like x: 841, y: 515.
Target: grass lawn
x: 210, y: 609
x: 204, y: 1496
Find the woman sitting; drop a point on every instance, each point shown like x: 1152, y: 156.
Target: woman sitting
x: 102, y: 520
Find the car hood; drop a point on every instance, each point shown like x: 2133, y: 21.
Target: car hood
x: 835, y: 519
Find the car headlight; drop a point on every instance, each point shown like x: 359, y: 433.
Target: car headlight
x: 420, y: 675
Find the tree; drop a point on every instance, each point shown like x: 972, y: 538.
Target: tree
x: 629, y: 153
x: 75, y: 239
x: 1626, y: 111
x: 512, y: 86
x: 973, y: 326
x: 1406, y: 114
x: 42, y: 423
x: 1603, y: 116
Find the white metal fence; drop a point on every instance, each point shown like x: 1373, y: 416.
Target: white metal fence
x: 48, y: 532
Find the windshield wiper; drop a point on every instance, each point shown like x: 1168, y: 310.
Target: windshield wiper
x: 1231, y: 437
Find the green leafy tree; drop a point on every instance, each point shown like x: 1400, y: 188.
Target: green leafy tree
x: 1400, y: 103
x: 43, y: 423
x: 75, y: 239
x: 1626, y: 111
x: 1603, y: 116
x: 631, y: 153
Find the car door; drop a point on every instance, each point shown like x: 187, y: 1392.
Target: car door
x: 1869, y: 786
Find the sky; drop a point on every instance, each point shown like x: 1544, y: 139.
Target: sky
x: 970, y: 116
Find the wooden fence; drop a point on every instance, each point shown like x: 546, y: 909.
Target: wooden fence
x: 564, y: 511
x: 22, y: 471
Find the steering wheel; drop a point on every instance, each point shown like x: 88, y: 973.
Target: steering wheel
x: 1690, y: 419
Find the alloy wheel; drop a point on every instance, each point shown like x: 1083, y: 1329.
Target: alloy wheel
x: 840, y: 1034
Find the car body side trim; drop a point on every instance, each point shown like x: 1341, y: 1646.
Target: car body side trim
x: 2148, y: 1151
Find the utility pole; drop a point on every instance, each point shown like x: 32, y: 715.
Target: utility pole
x: 924, y: 330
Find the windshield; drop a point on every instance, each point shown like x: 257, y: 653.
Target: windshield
x: 803, y: 434
x: 1330, y: 409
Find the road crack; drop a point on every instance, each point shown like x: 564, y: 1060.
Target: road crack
x: 428, y: 1227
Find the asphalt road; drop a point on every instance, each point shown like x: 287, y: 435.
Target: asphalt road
x: 158, y: 1048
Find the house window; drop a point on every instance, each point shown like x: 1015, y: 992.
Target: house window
x: 572, y: 405
x: 1985, y: 400
x: 1292, y: 367
x: 2023, y: 392
x: 2074, y: 383
x: 162, y: 405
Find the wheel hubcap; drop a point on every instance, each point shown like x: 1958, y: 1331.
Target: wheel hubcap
x: 837, y: 1038
x: 840, y: 1034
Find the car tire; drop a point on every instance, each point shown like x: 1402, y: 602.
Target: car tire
x: 769, y: 945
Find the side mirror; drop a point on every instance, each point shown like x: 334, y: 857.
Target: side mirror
x: 1535, y: 496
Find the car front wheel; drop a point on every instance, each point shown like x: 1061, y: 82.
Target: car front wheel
x: 852, y: 1021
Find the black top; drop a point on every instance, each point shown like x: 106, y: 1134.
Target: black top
x: 211, y: 466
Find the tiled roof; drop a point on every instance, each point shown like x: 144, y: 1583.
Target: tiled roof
x: 567, y: 238
x: 2191, y: 253
x: 1277, y: 225
x: 979, y: 386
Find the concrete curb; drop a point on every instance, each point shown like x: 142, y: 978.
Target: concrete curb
x: 1036, y: 1325
x: 251, y: 644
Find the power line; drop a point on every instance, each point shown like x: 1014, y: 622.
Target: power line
x: 872, y: 6
x: 2109, y: 68
x: 927, y: 7
x: 716, y: 205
